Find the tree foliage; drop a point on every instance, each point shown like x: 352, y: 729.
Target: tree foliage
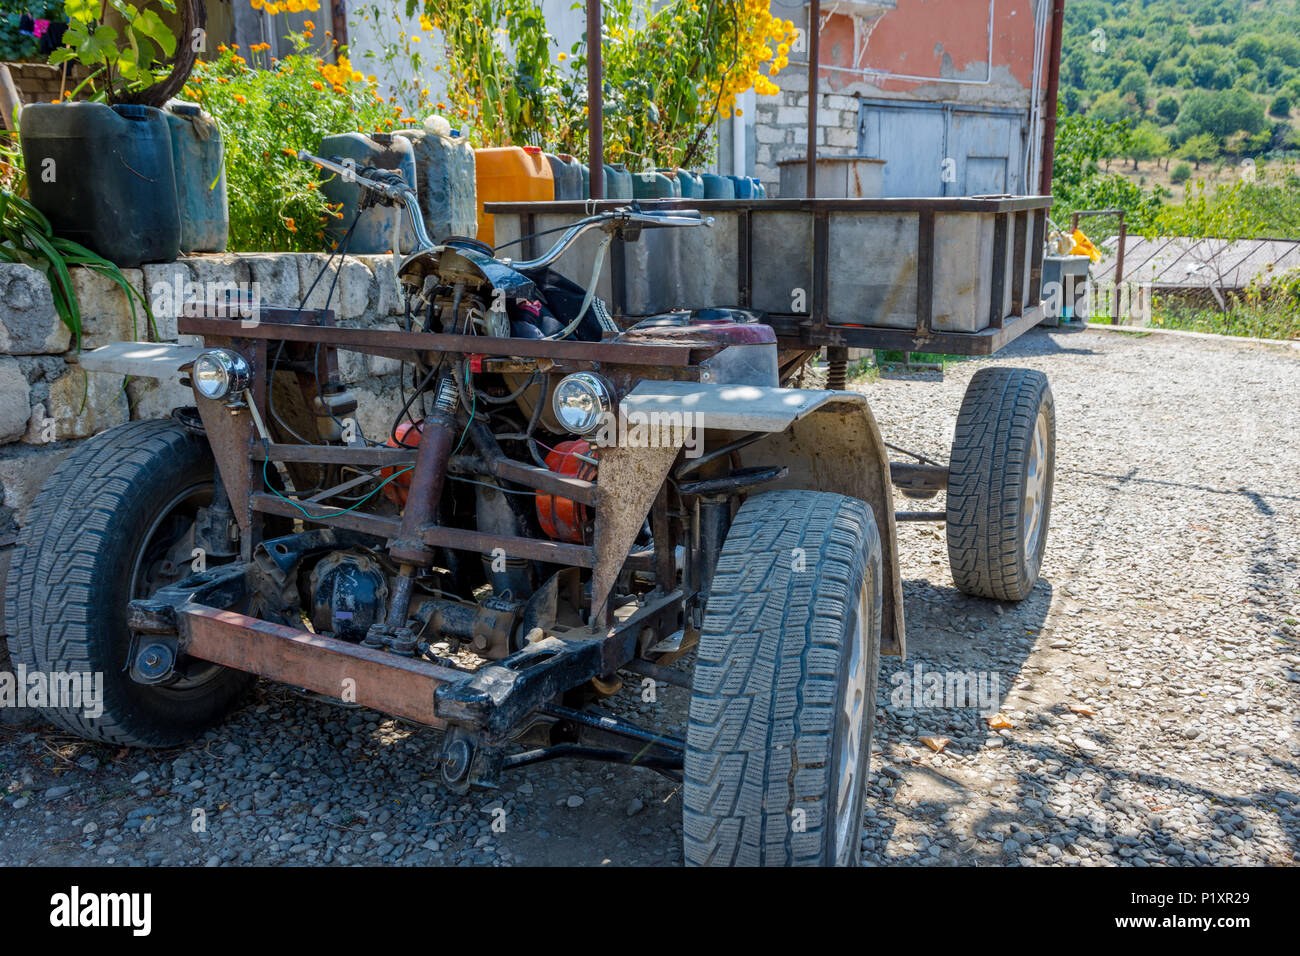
x: 1195, y: 67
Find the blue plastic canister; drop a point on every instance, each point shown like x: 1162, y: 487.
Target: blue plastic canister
x: 375, y: 229
x: 717, y: 187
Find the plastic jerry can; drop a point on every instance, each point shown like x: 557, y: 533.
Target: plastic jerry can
x: 745, y: 187
x: 618, y: 181
x: 377, y: 226
x: 567, y: 175
x: 510, y: 174
x: 691, y: 185
x: 717, y: 187
x: 104, y: 177
x: 654, y: 185
x: 200, y: 178
x: 444, y: 183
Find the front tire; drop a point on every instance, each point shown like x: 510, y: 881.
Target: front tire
x: 111, y: 525
x: 783, y: 700
x: 1000, y: 481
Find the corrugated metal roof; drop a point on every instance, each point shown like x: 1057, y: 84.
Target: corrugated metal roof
x: 1184, y: 262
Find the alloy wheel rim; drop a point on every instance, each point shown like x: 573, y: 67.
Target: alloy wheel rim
x: 851, y: 718
x: 1034, y: 504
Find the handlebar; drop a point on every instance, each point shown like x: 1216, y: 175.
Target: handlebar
x: 402, y: 195
x: 397, y: 193
x: 612, y: 221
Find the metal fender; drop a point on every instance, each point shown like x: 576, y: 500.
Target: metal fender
x: 828, y: 440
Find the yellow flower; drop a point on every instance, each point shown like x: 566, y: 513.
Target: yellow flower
x: 241, y: 99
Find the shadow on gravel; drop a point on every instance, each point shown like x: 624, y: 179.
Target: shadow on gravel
x: 1044, y: 811
x: 956, y: 644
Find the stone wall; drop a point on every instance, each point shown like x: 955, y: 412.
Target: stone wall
x: 49, y: 404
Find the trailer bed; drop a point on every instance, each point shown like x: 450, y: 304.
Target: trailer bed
x: 954, y: 275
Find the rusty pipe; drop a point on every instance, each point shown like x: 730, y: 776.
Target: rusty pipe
x: 814, y: 54
x: 595, y: 102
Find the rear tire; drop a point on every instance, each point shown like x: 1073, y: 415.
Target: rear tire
x: 783, y: 700
x: 113, y: 517
x: 1000, y: 481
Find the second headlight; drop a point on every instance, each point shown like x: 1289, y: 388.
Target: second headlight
x: 581, y: 401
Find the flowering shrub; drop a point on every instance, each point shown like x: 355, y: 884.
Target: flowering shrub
x: 273, y: 7
x: 667, y: 76
x: 266, y: 115
x: 403, y: 55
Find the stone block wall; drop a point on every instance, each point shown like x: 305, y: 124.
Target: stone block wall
x: 781, y: 126
x: 49, y: 404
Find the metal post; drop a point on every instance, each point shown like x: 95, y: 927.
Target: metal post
x: 1119, y: 265
x: 1053, y: 87
x: 339, y: 24
x: 814, y: 56
x: 595, y: 103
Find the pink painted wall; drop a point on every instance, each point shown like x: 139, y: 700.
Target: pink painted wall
x: 934, y: 37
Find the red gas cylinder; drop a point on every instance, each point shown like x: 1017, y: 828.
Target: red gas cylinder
x: 407, y: 436
x: 564, y: 519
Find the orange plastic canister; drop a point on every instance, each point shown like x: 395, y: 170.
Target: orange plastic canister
x: 510, y: 174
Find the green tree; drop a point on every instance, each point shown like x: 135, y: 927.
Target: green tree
x: 1167, y: 108
x: 1147, y: 142
x: 1281, y: 106
x: 1110, y: 108
x: 1220, y: 113
x: 1135, y: 83
x: 1200, y: 148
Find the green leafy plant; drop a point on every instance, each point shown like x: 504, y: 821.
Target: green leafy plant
x: 26, y: 237
x: 1082, y: 142
x: 668, y: 73
x: 266, y: 115
x: 130, y: 54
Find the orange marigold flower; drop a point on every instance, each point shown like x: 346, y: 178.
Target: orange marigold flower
x: 241, y: 99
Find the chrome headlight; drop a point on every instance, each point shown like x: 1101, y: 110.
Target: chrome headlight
x: 220, y: 372
x: 580, y: 402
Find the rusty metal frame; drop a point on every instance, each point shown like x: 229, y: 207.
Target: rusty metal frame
x: 494, y: 699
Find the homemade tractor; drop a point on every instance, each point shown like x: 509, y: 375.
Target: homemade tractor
x: 570, y: 493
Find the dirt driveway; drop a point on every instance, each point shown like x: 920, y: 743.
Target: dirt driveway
x: 1149, y: 687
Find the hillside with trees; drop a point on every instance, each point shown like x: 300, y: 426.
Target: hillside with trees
x: 1196, y: 81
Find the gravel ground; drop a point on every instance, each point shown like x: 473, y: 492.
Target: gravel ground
x: 1149, y: 684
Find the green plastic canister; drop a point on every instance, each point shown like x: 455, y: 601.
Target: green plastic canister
x: 200, y: 178
x: 377, y: 226
x: 444, y: 183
